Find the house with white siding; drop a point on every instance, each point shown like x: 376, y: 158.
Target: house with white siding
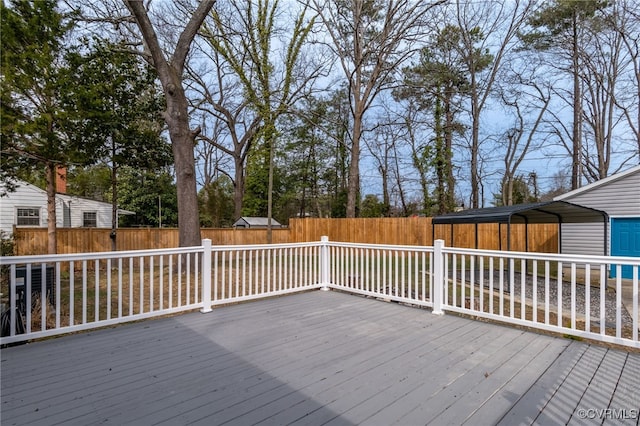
x: 617, y: 195
x: 27, y: 207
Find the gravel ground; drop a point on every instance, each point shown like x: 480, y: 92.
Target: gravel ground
x: 580, y: 297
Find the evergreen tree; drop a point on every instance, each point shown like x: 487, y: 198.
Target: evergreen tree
x: 216, y: 204
x: 35, y: 128
x: 116, y: 110
x: 437, y: 83
x: 151, y: 195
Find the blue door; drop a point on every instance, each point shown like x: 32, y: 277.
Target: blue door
x: 625, y: 241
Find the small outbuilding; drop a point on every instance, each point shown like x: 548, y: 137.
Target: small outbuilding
x: 619, y: 196
x: 555, y: 212
x: 256, y: 222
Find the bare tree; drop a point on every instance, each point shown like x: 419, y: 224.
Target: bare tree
x: 210, y: 160
x: 370, y: 39
x: 244, y: 35
x: 524, y: 97
x: 600, y: 74
x: 595, y: 45
x: 627, y: 23
x: 382, y: 148
x: 487, y: 28
x: 417, y: 138
x: 560, y: 28
x: 170, y: 69
x: 236, y: 125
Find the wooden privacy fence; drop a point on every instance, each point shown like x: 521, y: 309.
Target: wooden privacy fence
x: 414, y: 231
x: 33, y: 241
x: 542, y: 238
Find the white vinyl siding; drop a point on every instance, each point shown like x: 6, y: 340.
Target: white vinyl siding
x: 583, y: 238
x: 27, y: 196
x: 618, y: 198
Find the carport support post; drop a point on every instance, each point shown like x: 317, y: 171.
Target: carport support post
x: 324, y: 263
x: 206, y: 276
x: 438, y: 276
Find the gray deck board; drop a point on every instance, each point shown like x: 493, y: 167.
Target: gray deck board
x: 627, y: 392
x: 564, y: 402
x: 310, y: 359
x: 444, y: 393
x: 604, y: 382
x: 528, y: 405
x: 448, y: 368
x: 506, y: 389
x: 480, y: 403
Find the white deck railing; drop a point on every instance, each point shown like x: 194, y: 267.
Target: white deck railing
x: 572, y: 295
x: 567, y: 294
x: 54, y: 294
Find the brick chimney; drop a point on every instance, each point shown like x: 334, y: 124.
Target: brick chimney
x: 61, y: 180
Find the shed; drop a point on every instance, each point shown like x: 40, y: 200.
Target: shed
x: 559, y: 212
x: 256, y: 222
x: 619, y: 196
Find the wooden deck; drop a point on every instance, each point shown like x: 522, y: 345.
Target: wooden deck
x: 316, y: 358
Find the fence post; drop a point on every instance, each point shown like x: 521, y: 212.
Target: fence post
x: 206, y: 276
x: 438, y: 277
x: 324, y: 263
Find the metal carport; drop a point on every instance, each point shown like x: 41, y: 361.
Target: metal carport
x: 544, y: 212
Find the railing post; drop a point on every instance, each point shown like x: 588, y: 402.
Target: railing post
x: 206, y: 276
x: 324, y: 263
x: 438, y: 277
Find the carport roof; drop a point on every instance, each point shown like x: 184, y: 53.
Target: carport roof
x: 543, y: 212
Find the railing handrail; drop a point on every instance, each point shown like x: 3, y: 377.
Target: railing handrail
x: 600, y: 259
x: 265, y: 246
x: 381, y: 246
x: 52, y: 258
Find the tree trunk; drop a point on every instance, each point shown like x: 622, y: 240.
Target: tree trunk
x: 386, y: 199
x: 270, y: 144
x: 450, y: 200
x: 114, y: 198
x: 353, y: 186
x: 577, y: 111
x: 114, y: 208
x: 475, y: 152
x: 52, y: 238
x: 440, y: 160
x: 176, y: 115
x: 238, y: 188
x: 475, y: 142
x: 188, y: 216
x: 182, y: 143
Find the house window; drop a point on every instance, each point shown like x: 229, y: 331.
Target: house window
x: 90, y: 219
x: 28, y: 216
